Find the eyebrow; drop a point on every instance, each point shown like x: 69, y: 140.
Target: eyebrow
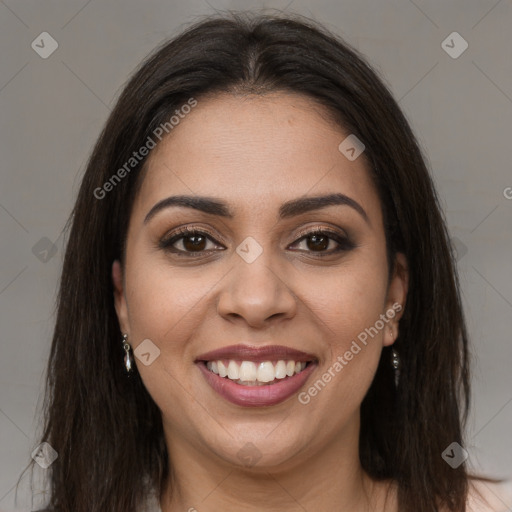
x: 289, y: 209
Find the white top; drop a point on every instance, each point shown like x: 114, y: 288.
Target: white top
x: 153, y: 504
x: 498, y: 498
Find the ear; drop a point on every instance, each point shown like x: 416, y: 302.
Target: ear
x: 396, y: 298
x: 119, y: 297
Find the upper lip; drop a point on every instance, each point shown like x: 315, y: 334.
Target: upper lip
x: 256, y: 354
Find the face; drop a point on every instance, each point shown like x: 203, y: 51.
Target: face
x: 264, y: 270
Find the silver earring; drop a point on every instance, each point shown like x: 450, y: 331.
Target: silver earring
x: 395, y: 363
x: 128, y: 363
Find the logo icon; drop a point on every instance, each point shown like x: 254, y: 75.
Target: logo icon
x: 455, y: 455
x: 454, y: 45
x: 44, y: 455
x: 44, y: 250
x: 44, y: 45
x: 351, y: 147
x: 146, y: 352
x: 249, y: 249
x: 459, y: 248
x: 249, y: 455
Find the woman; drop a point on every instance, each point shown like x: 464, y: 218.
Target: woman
x: 259, y: 308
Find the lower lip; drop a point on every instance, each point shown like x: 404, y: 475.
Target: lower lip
x: 256, y: 396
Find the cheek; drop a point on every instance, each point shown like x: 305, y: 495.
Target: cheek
x: 350, y: 299
x: 164, y: 303
x: 349, y: 318
x: 349, y: 310
x: 167, y: 306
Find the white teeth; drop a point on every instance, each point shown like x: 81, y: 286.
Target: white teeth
x: 222, y: 369
x: 280, y: 370
x: 233, y: 371
x: 250, y: 373
x: 266, y: 372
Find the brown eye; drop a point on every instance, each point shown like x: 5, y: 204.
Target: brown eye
x: 194, y: 242
x: 317, y: 242
x: 189, y: 241
x: 324, y: 242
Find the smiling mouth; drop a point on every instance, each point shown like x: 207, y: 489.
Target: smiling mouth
x: 261, y: 373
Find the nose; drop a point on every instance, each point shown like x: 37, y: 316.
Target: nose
x: 258, y: 293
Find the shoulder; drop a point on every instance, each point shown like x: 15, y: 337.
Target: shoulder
x: 489, y: 496
x: 483, y: 496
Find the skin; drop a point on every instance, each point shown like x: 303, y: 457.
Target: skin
x: 254, y: 153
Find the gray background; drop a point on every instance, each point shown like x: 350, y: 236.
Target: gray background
x: 53, y: 109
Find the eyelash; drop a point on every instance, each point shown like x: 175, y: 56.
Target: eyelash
x: 344, y: 244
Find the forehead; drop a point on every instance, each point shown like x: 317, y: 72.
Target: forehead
x: 254, y: 151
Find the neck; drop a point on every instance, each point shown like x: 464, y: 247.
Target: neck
x: 330, y: 478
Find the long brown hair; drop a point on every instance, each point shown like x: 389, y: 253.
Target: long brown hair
x: 106, y: 428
